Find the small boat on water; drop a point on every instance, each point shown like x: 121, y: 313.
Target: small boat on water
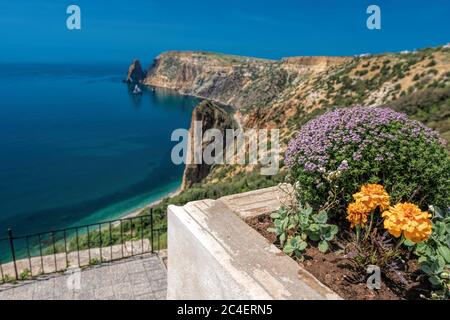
x: 137, y: 90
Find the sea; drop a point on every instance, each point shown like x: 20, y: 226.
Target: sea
x: 77, y: 146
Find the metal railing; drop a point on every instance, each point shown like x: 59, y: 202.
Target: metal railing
x: 41, y: 253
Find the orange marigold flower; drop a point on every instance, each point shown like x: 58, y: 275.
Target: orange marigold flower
x: 357, y: 214
x: 373, y: 196
x: 407, y: 218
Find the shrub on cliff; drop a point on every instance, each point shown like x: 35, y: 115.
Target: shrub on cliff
x: 336, y: 153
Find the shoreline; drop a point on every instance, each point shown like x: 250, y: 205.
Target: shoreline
x: 137, y: 211
x: 228, y: 107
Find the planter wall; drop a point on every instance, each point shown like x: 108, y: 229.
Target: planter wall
x: 214, y: 254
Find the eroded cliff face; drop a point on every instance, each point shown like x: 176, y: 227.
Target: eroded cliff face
x: 240, y: 82
x: 280, y: 93
x: 207, y: 115
x: 285, y: 94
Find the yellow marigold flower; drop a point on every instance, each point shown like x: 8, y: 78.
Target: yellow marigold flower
x: 373, y: 196
x: 357, y: 214
x: 409, y: 219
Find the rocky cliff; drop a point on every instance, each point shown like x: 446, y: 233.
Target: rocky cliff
x: 135, y: 72
x: 282, y: 93
x: 285, y: 94
x: 211, y: 116
x: 241, y: 82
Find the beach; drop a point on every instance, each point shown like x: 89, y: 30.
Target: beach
x: 136, y: 212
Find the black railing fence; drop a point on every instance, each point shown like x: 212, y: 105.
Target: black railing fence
x: 26, y: 256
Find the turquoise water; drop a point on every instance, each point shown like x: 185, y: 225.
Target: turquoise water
x: 78, y: 147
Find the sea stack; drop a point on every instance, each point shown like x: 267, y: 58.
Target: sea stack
x: 211, y: 116
x: 135, y: 72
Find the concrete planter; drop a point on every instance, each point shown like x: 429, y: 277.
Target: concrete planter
x: 214, y: 254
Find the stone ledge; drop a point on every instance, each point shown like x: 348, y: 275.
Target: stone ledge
x: 214, y: 254
x: 258, y: 202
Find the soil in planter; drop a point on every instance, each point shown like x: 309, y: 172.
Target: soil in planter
x: 261, y: 224
x: 340, y: 274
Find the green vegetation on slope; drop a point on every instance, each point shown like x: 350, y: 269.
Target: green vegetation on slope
x: 430, y: 106
x: 242, y: 182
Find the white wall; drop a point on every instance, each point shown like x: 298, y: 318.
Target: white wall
x: 213, y: 254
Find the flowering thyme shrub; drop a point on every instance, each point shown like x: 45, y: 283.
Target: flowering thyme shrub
x: 336, y: 153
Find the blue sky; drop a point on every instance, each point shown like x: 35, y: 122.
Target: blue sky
x: 35, y: 31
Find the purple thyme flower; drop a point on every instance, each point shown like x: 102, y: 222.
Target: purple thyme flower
x: 343, y: 166
x: 360, y: 129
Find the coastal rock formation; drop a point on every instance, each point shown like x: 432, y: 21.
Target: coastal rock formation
x: 282, y: 93
x: 286, y: 93
x: 240, y: 82
x: 135, y: 72
x: 211, y: 116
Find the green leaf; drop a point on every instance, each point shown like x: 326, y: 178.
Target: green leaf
x: 303, y: 220
x: 326, y: 236
x: 306, y: 211
x: 408, y: 243
x: 321, y: 217
x: 323, y: 246
x: 275, y: 215
x: 437, y: 266
x: 441, y: 263
x: 288, y: 249
x: 334, y: 229
x: 441, y: 230
x: 272, y: 230
x: 420, y: 246
x: 294, y: 242
x: 302, y: 245
x: 426, y: 268
x: 422, y: 259
x: 434, y: 280
x: 429, y: 251
x: 284, y: 223
x: 444, y: 252
x: 314, y: 227
x: 313, y: 236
